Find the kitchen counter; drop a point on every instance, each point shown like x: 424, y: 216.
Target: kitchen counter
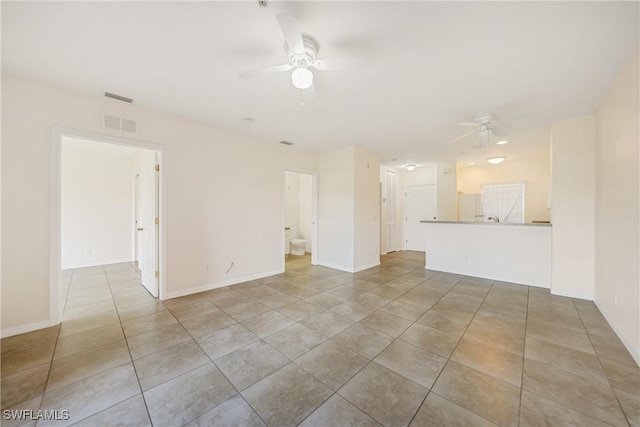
x: 534, y: 224
x: 517, y: 253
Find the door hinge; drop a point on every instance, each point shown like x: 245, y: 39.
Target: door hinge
x: 157, y: 221
x: 157, y: 274
x: 157, y: 168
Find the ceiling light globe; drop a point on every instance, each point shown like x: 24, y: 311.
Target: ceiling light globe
x: 302, y: 78
x: 496, y: 160
x: 410, y: 167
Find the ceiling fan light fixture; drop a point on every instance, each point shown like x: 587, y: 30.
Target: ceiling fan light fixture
x: 302, y: 78
x: 504, y: 141
x: 496, y: 160
x: 410, y: 167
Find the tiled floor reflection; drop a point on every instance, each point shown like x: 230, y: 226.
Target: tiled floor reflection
x: 393, y: 345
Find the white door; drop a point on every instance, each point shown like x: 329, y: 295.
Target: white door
x: 148, y: 227
x: 391, y: 211
x: 420, y: 206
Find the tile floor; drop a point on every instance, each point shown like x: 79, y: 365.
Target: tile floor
x: 393, y: 345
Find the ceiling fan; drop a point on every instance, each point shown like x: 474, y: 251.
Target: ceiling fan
x: 485, y: 127
x: 302, y: 51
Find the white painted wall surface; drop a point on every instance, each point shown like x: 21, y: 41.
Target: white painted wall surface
x: 573, y: 206
x: 617, y: 253
x: 511, y: 253
x: 306, y: 209
x: 224, y: 195
x: 336, y: 210
x: 447, y: 192
x: 292, y: 200
x: 96, y: 203
x: 366, y: 193
x: 536, y: 171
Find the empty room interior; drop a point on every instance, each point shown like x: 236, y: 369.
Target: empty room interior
x: 320, y: 213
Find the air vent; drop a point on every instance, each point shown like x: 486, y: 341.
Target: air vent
x: 110, y: 121
x: 286, y: 142
x: 118, y: 97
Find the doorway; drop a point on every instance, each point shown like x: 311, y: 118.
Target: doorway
x: 106, y: 208
x: 421, y: 204
x: 299, y: 218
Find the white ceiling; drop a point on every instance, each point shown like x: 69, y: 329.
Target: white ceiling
x: 432, y: 65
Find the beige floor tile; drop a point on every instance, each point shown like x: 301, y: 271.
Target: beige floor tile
x: 248, y: 365
x: 489, y: 360
x: 247, y: 311
x: 207, y: 323
x: 404, y: 309
x: 295, y: 340
x: 24, y: 385
x: 147, y: 323
x: 82, y: 365
x: 498, y: 338
x: 430, y: 339
x: 365, y: 341
x: 92, y: 395
x: 579, y: 393
x: 439, y: 412
x: 35, y: 355
x: 187, y: 397
x: 28, y: 405
x: 324, y: 300
x: 352, y: 310
x: 630, y: 405
x: 413, y: 363
x: 187, y: 311
x: 386, y: 323
x: 83, y: 341
x: 387, y: 397
x: 338, y: 412
x: 156, y: 340
x: 300, y: 310
x: 140, y: 310
x: 578, y: 340
x: 86, y: 323
x: 622, y: 377
x: 131, y: 412
x: 537, y: 411
x: 612, y: 349
x: 169, y: 363
x: 233, y: 412
x: 88, y: 310
x: 287, y: 396
x: 445, y: 322
x: 482, y: 394
x: 268, y: 323
x: 24, y: 341
x: 277, y: 300
x: 327, y: 324
x: 332, y: 363
x: 226, y: 340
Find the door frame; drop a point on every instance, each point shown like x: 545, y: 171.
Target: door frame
x: 55, y: 215
x: 314, y: 212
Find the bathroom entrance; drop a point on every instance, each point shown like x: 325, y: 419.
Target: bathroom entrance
x: 300, y: 214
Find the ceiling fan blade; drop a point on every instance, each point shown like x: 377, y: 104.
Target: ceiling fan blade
x: 341, y: 64
x: 468, y: 124
x: 464, y: 135
x: 499, y: 132
x: 291, y: 30
x: 265, y: 70
x: 308, y: 95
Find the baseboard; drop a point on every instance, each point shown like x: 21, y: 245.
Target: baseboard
x: 578, y: 295
x: 17, y: 330
x: 633, y: 351
x: 96, y: 264
x: 229, y: 282
x: 364, y: 267
x: 335, y: 266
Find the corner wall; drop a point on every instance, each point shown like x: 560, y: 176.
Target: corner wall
x: 573, y: 207
x: 617, y: 275
x: 223, y: 189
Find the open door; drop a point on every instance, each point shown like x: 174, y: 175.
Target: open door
x: 148, y: 227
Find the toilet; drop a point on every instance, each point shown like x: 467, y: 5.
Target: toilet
x: 298, y: 246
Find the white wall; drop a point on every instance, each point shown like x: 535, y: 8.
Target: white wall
x: 617, y: 207
x: 222, y: 189
x: 96, y: 203
x: 447, y: 192
x: 366, y: 209
x: 306, y: 209
x: 573, y: 206
x: 292, y: 200
x: 535, y: 171
x: 336, y: 210
x: 399, y: 210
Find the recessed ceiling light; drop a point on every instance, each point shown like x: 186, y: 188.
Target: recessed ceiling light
x: 496, y: 160
x: 504, y: 141
x: 471, y: 163
x: 410, y: 167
